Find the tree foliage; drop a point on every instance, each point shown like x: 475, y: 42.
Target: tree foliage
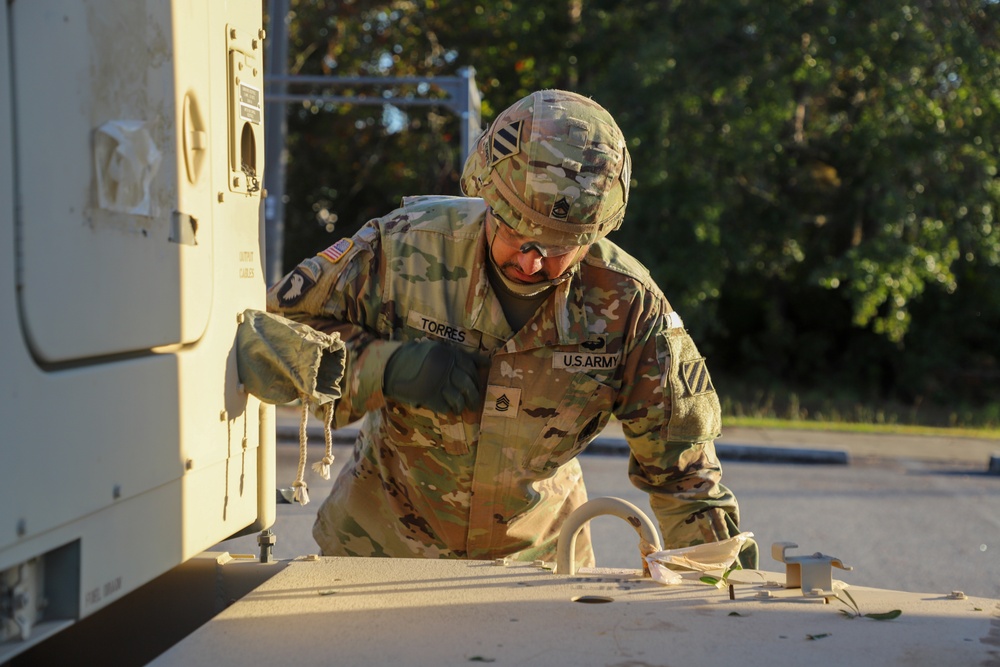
x: 815, y: 181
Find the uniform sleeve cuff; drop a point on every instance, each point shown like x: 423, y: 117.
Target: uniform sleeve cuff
x: 370, y: 369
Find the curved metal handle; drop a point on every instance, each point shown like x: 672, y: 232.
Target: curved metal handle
x: 194, y: 137
x: 566, y: 545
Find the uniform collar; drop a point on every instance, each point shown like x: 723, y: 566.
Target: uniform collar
x: 485, y: 312
x: 560, y: 320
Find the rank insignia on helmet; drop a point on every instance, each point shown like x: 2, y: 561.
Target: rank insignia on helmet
x: 696, y: 377
x: 295, y: 287
x: 506, y: 142
x: 337, y: 250
x: 560, y: 210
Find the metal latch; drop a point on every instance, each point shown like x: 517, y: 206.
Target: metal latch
x: 813, y: 574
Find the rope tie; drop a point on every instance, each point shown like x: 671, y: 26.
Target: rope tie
x: 646, y: 549
x: 301, y: 495
x: 323, y: 466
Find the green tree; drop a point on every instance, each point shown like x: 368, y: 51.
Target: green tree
x: 796, y: 157
x: 815, y: 181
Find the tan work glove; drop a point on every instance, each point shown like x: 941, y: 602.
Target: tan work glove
x: 280, y: 361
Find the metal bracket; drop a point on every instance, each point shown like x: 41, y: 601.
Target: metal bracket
x: 813, y: 574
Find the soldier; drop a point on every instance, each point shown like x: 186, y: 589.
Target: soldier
x: 491, y: 337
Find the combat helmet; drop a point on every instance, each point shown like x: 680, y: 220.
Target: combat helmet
x: 554, y: 165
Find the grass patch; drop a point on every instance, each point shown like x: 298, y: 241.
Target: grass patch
x: 858, y: 427
x: 826, y: 410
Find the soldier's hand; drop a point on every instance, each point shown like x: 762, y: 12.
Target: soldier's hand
x: 433, y: 375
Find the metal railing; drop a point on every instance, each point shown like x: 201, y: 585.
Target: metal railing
x: 458, y: 94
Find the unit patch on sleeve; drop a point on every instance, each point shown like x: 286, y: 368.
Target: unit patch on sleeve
x: 295, y: 287
x: 444, y: 330
x: 696, y: 377
x: 337, y: 250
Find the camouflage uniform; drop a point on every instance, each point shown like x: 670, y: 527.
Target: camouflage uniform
x: 500, y: 481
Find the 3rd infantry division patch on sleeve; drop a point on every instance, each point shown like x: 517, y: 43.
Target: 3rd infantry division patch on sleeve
x: 696, y: 377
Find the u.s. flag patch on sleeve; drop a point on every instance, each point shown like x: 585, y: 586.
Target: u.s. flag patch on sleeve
x: 337, y: 250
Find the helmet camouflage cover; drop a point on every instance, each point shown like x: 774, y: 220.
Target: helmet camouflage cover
x: 553, y: 166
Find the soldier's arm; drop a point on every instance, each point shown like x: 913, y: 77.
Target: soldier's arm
x: 671, y: 416
x: 338, y: 290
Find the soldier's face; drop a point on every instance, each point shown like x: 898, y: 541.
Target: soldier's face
x: 522, y: 263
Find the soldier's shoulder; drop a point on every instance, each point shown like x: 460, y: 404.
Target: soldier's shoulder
x: 605, y: 255
x: 435, y: 213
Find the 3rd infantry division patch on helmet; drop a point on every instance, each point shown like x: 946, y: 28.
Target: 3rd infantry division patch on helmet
x: 553, y: 166
x: 506, y: 142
